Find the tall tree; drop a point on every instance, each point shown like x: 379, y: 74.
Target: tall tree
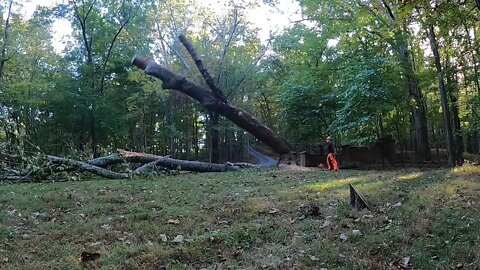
x: 400, y: 44
x: 106, y: 29
x: 443, y: 95
x: 5, y: 40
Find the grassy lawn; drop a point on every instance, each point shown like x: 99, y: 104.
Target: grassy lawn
x: 252, y: 219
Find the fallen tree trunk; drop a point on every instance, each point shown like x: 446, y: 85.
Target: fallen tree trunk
x: 87, y: 167
x: 152, y: 161
x: 106, y: 160
x: 213, y: 102
x: 137, y: 157
x: 122, y: 156
x: 184, y: 165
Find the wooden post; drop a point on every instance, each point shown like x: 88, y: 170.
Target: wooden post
x: 357, y: 200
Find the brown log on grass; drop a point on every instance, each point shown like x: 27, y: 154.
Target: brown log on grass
x: 87, y: 167
x: 184, y: 165
x: 213, y: 101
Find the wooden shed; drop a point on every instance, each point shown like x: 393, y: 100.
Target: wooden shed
x: 310, y: 160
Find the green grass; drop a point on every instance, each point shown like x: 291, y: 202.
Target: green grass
x: 252, y: 219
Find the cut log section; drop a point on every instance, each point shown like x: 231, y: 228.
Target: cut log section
x: 357, y: 200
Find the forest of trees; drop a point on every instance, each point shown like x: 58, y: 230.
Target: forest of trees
x: 355, y: 69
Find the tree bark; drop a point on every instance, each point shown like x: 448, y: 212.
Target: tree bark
x: 122, y: 156
x: 87, y: 167
x: 443, y: 96
x: 473, y: 138
x: 459, y: 145
x: 214, y: 138
x: 473, y: 143
x: 106, y: 160
x: 184, y: 165
x: 422, y: 144
x: 175, y: 81
x: 453, y: 93
x: 82, y: 20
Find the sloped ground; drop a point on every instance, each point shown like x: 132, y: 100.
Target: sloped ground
x: 252, y: 219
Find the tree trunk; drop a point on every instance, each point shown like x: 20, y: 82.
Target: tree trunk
x: 474, y: 143
x: 422, y: 146
x: 153, y: 160
x: 3, y: 55
x: 136, y: 157
x: 185, y: 165
x: 93, y: 132
x: 459, y: 145
x: 443, y: 96
x: 473, y: 139
x: 265, y: 106
x: 381, y: 129
x: 195, y: 142
x: 453, y: 92
x: 214, y: 138
x: 87, y: 167
x: 175, y: 81
x: 122, y: 156
x: 106, y: 160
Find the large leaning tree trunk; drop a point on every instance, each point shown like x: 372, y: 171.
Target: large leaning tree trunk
x: 213, y: 100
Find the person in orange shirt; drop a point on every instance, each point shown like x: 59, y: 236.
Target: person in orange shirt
x: 331, y: 151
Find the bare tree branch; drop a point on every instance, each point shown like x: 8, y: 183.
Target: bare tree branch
x: 203, y: 70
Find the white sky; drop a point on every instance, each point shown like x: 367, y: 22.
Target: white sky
x: 61, y: 28
x: 266, y: 18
